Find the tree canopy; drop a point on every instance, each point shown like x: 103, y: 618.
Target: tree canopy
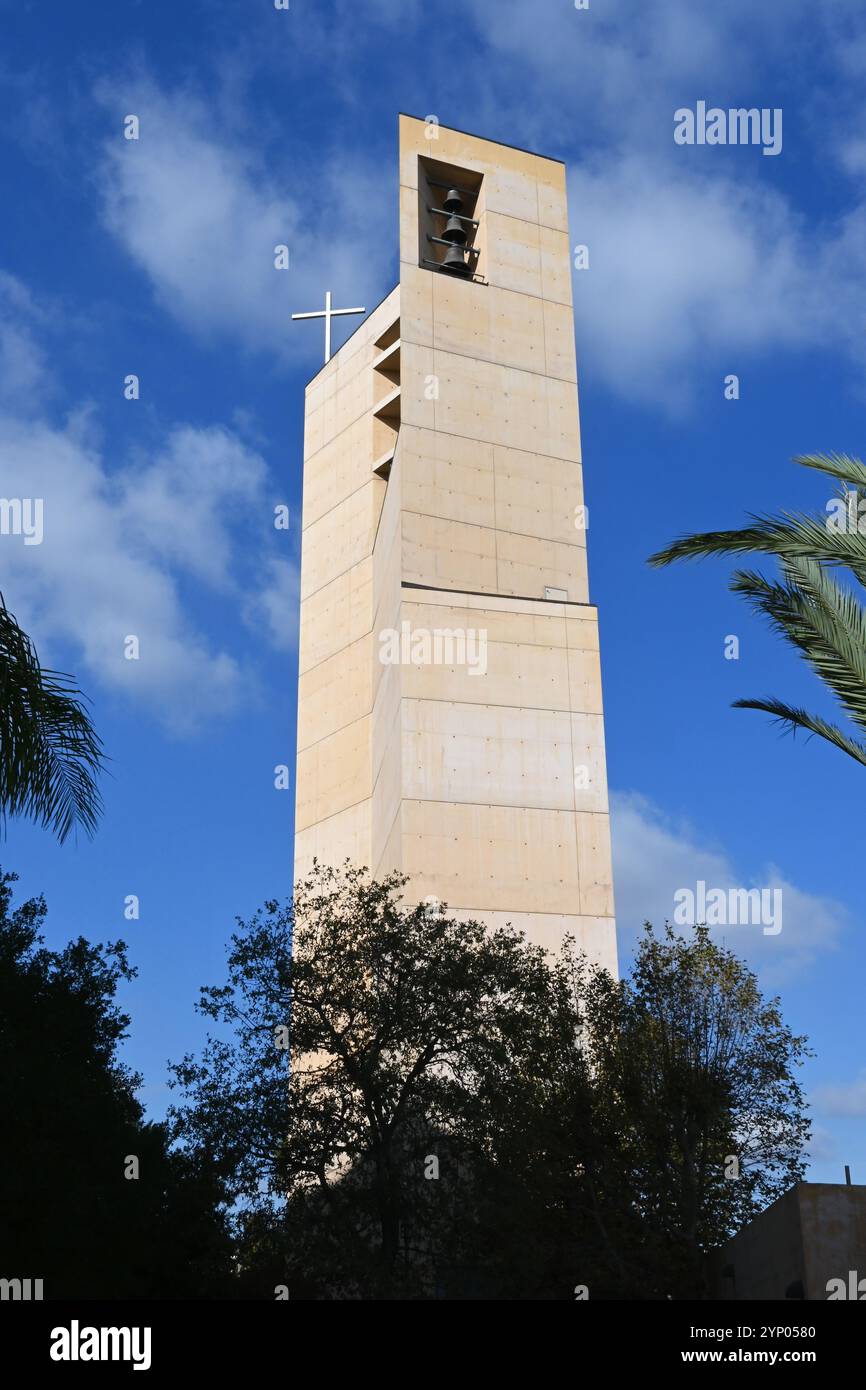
x: 93, y: 1201
x: 404, y: 1104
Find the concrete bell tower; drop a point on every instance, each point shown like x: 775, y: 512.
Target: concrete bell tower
x: 449, y: 706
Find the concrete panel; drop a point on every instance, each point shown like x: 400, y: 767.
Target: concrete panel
x: 418, y: 369
x: 337, y: 470
x: 490, y: 324
x: 504, y: 620
x: 537, y: 495
x: 314, y: 430
x: 500, y: 603
x: 386, y: 709
x: 814, y: 1234
x: 465, y: 150
x: 584, y: 679
x: 581, y: 628
x: 514, y: 255
x: 334, y: 693
x: 531, y: 676
x: 388, y: 554
x: 348, y: 403
x: 517, y: 332
x: 538, y: 414
x: 559, y: 354
x: 833, y: 1225
x: 409, y: 215
x: 595, y: 936
x: 391, y: 858
x: 513, y: 192
x: 448, y: 553
x: 555, y: 260
x: 587, y: 742
x: 387, y: 792
x: 466, y: 389
x: 487, y: 753
x: 526, y: 564
x: 563, y: 426
x: 552, y: 198
x: 594, y: 862
x: 416, y: 304
x: 460, y: 317
x: 336, y: 615
x: 511, y: 408
x: 341, y: 538
x: 344, y: 836
x: 495, y: 857
x: 333, y: 774
x: 446, y: 475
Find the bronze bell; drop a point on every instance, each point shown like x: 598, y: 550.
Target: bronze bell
x: 452, y: 202
x: 454, y: 261
x: 454, y: 231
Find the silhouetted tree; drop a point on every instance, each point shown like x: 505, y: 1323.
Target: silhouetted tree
x: 466, y: 1117
x: 72, y: 1126
x: 695, y: 1082
x: 402, y: 1021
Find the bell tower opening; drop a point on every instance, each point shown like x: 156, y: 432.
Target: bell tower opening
x: 450, y: 220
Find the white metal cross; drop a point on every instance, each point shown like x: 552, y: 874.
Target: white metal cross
x: 327, y: 314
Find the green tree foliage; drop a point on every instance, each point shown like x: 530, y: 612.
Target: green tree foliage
x: 397, y: 1017
x: 695, y: 1079
x: 71, y: 1120
x: 465, y: 1117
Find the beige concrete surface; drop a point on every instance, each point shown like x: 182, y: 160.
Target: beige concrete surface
x: 450, y: 719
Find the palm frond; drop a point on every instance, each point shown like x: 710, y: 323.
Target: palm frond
x: 50, y: 754
x: 823, y: 621
x: 793, y: 719
x: 850, y: 470
x: 789, y: 536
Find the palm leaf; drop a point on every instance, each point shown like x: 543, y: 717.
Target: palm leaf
x: 794, y: 719
x: 788, y: 536
x: 50, y: 754
x: 824, y: 622
x: 837, y: 465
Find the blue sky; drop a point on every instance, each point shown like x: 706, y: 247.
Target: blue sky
x: 155, y: 257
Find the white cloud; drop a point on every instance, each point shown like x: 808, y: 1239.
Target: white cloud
x: 653, y: 858
x: 120, y: 546
x: 698, y: 261
x: 275, y: 606
x: 92, y: 582
x: 692, y: 268
x: 689, y: 272
x: 613, y: 75
x: 844, y: 1098
x: 182, y: 504
x: 24, y: 373
x: 822, y: 1147
x: 196, y: 211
